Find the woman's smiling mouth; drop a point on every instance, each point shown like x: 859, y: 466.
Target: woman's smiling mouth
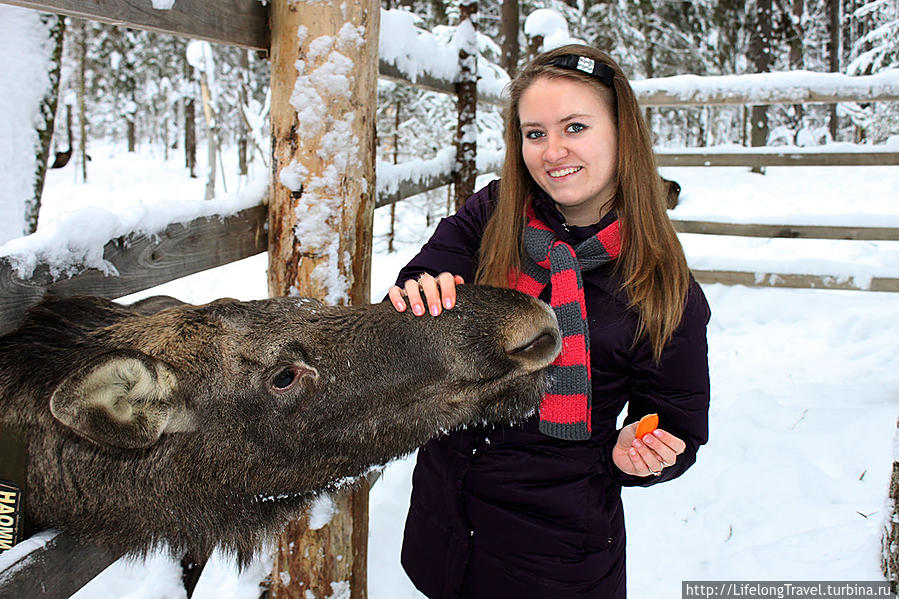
x: 564, y: 172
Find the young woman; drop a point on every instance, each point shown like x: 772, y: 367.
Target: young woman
x: 533, y: 510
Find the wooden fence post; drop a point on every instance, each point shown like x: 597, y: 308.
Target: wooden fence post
x: 324, y: 84
x: 466, y: 170
x: 889, y: 560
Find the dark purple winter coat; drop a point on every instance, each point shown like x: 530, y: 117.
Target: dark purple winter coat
x: 512, y: 513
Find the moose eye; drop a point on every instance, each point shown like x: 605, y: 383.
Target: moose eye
x: 284, y: 379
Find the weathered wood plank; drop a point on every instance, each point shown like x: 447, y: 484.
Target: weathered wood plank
x: 235, y: 22
x: 430, y: 174
x: 797, y: 281
x: 776, y: 158
x: 788, y: 231
x: 408, y: 188
x: 55, y: 570
x: 788, y: 87
x: 142, y: 262
x: 426, y: 81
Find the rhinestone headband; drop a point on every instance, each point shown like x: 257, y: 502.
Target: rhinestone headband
x: 586, y: 65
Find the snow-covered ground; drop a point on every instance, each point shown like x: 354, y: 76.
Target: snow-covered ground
x: 805, y: 390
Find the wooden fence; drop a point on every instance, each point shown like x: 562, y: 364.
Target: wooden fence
x: 183, y: 249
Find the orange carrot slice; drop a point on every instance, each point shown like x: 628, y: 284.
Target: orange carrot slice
x: 647, y: 424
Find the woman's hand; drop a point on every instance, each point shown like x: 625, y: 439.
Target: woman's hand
x: 655, y: 452
x: 439, y: 293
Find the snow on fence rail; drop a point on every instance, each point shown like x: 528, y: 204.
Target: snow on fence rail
x: 788, y: 87
x: 127, y: 264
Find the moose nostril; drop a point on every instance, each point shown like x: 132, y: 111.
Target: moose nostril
x: 541, y: 350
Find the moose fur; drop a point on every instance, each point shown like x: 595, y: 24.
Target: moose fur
x: 213, y: 425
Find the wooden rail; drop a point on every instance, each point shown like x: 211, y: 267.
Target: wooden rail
x: 787, y: 231
x: 142, y: 262
x: 769, y: 157
x: 796, y: 281
x: 55, y: 570
x: 795, y: 87
x: 234, y: 22
x: 427, y: 81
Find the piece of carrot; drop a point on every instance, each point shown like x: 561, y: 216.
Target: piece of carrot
x: 647, y: 424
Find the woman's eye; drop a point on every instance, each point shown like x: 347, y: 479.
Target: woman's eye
x: 284, y: 379
x: 576, y: 127
x: 533, y: 134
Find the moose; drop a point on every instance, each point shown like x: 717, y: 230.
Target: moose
x: 213, y: 425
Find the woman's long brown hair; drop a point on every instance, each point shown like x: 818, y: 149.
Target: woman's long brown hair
x: 651, y: 265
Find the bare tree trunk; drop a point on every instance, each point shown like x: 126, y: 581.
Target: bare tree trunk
x: 211, y: 137
x: 396, y: 156
x: 467, y: 105
x: 649, y: 67
x: 190, y: 124
x: 55, y: 27
x: 509, y: 26
x: 131, y: 133
x: 797, y: 55
x: 82, y: 92
x: 242, y: 129
x: 833, y: 9
x: 760, y: 56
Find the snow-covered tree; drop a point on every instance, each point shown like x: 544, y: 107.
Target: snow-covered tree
x: 30, y: 49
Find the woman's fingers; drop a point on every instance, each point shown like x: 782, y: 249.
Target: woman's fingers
x: 396, y: 296
x: 655, y: 452
x: 447, y: 284
x: 413, y: 295
x: 431, y: 290
x: 426, y: 294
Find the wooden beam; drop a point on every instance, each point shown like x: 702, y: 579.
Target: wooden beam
x: 323, y: 184
x: 426, y: 81
x: 431, y: 174
x: 776, y: 158
x: 142, y: 262
x: 408, y: 188
x: 788, y: 231
x: 55, y: 570
x: 235, y: 22
x: 797, y: 281
x: 789, y: 87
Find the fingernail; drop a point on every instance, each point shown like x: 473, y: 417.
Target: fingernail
x: 649, y: 439
x: 448, y: 303
x: 633, y: 451
x: 657, y: 433
x: 638, y: 443
x: 400, y: 306
x: 435, y: 310
x: 418, y: 310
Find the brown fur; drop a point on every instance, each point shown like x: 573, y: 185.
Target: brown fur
x: 236, y: 459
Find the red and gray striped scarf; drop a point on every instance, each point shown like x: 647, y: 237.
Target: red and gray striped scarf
x: 565, y: 408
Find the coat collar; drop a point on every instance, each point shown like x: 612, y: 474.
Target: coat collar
x: 547, y: 211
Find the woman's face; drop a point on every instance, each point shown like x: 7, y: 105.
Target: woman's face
x: 570, y: 146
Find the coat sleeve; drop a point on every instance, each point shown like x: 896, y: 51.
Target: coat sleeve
x: 454, y: 245
x: 677, y: 388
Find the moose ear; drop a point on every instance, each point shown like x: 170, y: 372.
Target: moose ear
x: 121, y: 399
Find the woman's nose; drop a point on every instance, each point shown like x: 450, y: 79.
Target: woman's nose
x: 555, y: 149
